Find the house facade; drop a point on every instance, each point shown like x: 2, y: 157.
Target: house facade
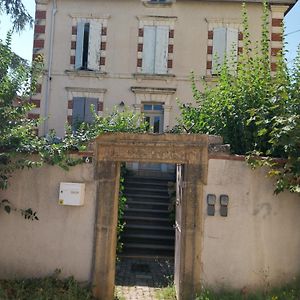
x: 137, y: 53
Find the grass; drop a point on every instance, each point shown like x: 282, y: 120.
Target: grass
x: 48, y: 288
x: 287, y: 292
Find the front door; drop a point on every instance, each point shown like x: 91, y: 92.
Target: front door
x: 178, y: 264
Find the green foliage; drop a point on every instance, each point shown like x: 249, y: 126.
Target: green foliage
x: 254, y: 111
x: 44, y: 289
x: 287, y: 292
x: 16, y: 10
x: 121, y: 208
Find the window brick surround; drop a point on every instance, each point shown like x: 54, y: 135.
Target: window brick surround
x: 83, y: 92
x: 215, y: 23
x: 155, y: 21
x: 103, y: 43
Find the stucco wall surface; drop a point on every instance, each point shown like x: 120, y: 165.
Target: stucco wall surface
x: 63, y: 236
x: 259, y: 242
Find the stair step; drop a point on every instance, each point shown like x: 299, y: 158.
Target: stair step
x: 141, y: 212
x: 136, y: 182
x: 146, y: 220
x: 148, y: 246
x: 148, y: 191
x: 150, y: 227
x: 149, y: 236
x: 148, y: 205
x: 148, y: 197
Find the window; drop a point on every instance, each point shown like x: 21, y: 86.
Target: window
x: 225, y: 43
x: 88, y: 42
x: 154, y: 116
x: 155, y: 49
x: 82, y: 111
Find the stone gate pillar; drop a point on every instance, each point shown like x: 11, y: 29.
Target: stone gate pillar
x: 108, y: 176
x: 191, y: 235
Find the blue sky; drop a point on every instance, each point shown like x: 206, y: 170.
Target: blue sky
x: 22, y: 44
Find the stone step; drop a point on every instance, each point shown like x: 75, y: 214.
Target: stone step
x: 147, y: 197
x: 146, y: 190
x: 142, y: 212
x: 146, y: 221
x: 147, y: 205
x: 149, y: 239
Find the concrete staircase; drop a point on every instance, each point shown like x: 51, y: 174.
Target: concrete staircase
x: 148, y: 231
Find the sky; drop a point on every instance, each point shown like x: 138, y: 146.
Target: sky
x: 22, y: 43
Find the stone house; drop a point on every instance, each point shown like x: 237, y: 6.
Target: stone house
x: 137, y: 53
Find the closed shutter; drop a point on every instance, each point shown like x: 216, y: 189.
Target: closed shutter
x: 232, y: 44
x: 149, y: 49
x: 161, y: 50
x: 88, y: 113
x: 219, y: 48
x: 94, y: 45
x: 78, y: 111
x: 79, y: 44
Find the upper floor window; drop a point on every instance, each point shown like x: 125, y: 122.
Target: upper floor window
x: 155, y: 49
x: 88, y: 41
x: 225, y: 44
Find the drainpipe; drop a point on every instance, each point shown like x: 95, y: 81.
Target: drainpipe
x: 50, y: 58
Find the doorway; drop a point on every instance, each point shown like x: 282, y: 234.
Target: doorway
x: 188, y: 150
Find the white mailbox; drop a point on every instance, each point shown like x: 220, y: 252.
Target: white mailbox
x: 71, y: 193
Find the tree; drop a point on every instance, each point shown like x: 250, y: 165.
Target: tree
x: 18, y: 13
x: 255, y: 111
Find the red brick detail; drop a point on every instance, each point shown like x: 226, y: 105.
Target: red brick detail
x: 69, y: 118
x: 33, y: 116
x: 209, y: 65
x: 39, y: 28
x: 141, y: 32
x: 40, y: 14
x: 171, y: 34
x: 38, y: 44
x: 38, y: 88
x: 275, y: 51
x: 72, y: 60
x: 104, y: 31
x: 277, y: 22
x: 103, y: 46
x: 73, y: 45
x: 210, y: 35
x: 140, y: 48
x: 170, y: 48
x: 70, y: 104
x: 100, y: 106
x: 209, y: 49
x: 240, y: 50
x: 170, y: 63
x: 273, y: 66
x: 36, y: 102
x: 74, y: 30
x: 102, y: 61
x: 241, y: 36
x: 276, y: 37
x: 139, y: 62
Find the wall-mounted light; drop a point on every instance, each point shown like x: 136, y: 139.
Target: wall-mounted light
x: 122, y: 104
x: 224, y: 200
x: 211, y: 201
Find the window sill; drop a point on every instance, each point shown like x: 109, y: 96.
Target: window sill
x: 153, y: 76
x: 85, y: 73
x: 211, y: 78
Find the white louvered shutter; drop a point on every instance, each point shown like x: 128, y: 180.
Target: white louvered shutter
x: 161, y: 50
x: 219, y: 48
x: 149, y: 49
x: 232, y: 44
x: 94, y: 45
x: 79, y: 44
